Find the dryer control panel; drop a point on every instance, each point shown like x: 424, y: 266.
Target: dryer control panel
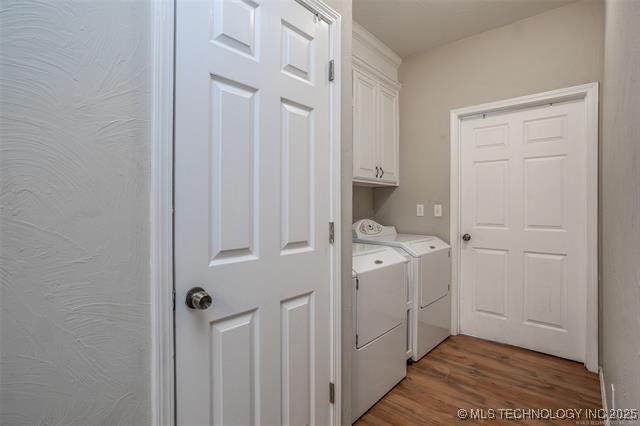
x: 370, y: 228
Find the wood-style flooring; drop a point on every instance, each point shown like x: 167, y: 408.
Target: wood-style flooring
x: 465, y: 372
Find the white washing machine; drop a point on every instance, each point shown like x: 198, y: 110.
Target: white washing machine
x: 429, y: 282
x: 379, y: 295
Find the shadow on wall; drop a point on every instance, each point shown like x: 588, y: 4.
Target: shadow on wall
x: 381, y: 196
x: 365, y: 198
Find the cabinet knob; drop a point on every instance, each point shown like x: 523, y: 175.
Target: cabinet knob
x: 381, y: 172
x: 377, y: 171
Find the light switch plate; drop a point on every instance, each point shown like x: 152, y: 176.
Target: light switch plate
x: 419, y: 210
x: 437, y: 210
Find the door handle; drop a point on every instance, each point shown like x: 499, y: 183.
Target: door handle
x: 382, y: 172
x: 376, y: 171
x: 466, y: 238
x: 198, y: 298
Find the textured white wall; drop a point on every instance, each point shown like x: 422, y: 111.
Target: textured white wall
x: 620, y: 200
x: 74, y: 183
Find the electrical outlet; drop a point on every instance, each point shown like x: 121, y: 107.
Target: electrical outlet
x: 419, y: 210
x: 437, y: 210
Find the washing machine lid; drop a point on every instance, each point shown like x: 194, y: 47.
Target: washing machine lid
x: 423, y: 246
x: 359, y: 249
x: 367, y: 257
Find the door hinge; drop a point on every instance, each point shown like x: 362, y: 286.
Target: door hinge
x: 357, y: 284
x: 332, y: 232
x: 332, y: 393
x: 356, y: 340
x: 173, y: 296
x: 332, y: 71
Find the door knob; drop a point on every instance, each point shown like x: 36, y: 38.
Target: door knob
x: 198, y: 298
x: 466, y: 237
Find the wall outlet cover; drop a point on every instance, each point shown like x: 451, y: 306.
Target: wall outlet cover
x: 419, y: 210
x: 437, y: 210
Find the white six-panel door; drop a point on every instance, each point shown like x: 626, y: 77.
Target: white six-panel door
x: 251, y: 213
x: 524, y: 205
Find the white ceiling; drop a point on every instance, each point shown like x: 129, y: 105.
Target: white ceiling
x: 412, y: 26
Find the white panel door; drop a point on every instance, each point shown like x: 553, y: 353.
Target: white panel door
x: 251, y: 213
x: 365, y: 127
x: 388, y: 142
x: 524, y: 205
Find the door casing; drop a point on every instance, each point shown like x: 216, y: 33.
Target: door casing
x: 163, y: 372
x: 586, y: 92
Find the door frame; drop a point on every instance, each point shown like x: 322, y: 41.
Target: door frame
x: 162, y: 292
x: 588, y: 93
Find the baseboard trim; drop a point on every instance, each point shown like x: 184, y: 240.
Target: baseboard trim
x: 603, y: 395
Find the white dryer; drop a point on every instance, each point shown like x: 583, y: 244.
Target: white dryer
x: 379, y: 295
x: 429, y: 282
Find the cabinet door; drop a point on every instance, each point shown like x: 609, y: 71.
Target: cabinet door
x: 388, y: 134
x: 364, y: 126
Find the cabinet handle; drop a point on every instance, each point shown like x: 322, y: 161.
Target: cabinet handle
x: 376, y: 171
x: 382, y: 172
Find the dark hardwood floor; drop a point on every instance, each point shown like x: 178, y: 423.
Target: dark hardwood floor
x: 465, y: 372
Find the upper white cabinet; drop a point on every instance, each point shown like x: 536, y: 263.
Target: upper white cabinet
x: 365, y: 98
x: 388, y: 139
x: 375, y: 111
